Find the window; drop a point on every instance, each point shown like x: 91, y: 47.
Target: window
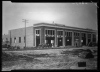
x: 94, y: 36
x: 46, y: 31
x: 89, y: 35
x: 37, y: 31
x: 83, y: 35
x: 19, y: 39
x: 71, y: 34
x: 74, y: 34
x: 50, y: 32
x: 65, y: 33
x: 60, y: 32
x: 24, y: 39
x: 15, y: 40
x: 53, y: 32
x: 77, y: 34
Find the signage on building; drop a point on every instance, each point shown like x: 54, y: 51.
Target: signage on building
x: 52, y: 41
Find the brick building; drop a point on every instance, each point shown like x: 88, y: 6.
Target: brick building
x: 55, y: 34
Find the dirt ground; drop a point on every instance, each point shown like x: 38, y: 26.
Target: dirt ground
x: 46, y: 59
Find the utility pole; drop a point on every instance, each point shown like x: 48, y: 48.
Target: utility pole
x: 24, y: 20
x: 10, y: 38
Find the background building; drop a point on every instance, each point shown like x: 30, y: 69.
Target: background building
x: 52, y: 34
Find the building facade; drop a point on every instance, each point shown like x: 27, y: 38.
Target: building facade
x: 51, y: 34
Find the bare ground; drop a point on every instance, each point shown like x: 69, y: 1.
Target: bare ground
x: 45, y: 59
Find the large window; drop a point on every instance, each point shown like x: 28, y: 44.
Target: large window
x: 94, y: 36
x: 37, y: 31
x: 89, y: 35
x: 83, y: 35
x: 19, y: 39
x: 68, y: 34
x: 49, y: 32
x: 76, y: 34
x: 15, y: 40
x: 60, y: 32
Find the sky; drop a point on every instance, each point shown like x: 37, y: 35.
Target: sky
x: 83, y: 15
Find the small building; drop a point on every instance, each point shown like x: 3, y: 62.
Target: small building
x: 55, y: 34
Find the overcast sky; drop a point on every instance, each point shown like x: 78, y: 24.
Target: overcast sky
x: 69, y: 14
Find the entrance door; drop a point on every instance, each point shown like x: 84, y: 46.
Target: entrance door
x: 68, y: 41
x: 89, y: 40
x: 84, y: 41
x: 37, y: 40
x: 60, y: 42
x: 49, y: 40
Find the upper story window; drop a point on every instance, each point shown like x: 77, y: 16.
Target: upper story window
x: 76, y: 34
x: 37, y: 31
x: 60, y: 33
x: 68, y: 34
x: 49, y: 32
x: 19, y: 39
x: 89, y: 35
x: 94, y: 36
x: 83, y: 35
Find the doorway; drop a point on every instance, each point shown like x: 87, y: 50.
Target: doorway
x: 37, y: 40
x: 60, y: 42
x: 84, y: 41
x: 68, y: 41
x: 49, y: 39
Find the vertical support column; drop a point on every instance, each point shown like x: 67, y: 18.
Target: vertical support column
x: 91, y: 37
x: 72, y: 38
x: 45, y: 35
x: 96, y: 37
x: 80, y: 39
x: 63, y: 37
x: 86, y: 38
x: 42, y: 41
x: 34, y: 39
x: 55, y: 38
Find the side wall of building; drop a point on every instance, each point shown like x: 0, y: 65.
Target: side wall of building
x: 21, y: 33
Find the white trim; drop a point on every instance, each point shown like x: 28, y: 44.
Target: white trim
x: 49, y: 29
x: 68, y: 31
x: 35, y: 35
x: 60, y: 30
x: 64, y: 28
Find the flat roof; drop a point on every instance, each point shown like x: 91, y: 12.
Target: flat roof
x: 62, y: 26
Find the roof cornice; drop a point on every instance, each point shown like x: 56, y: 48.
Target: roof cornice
x: 62, y: 26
